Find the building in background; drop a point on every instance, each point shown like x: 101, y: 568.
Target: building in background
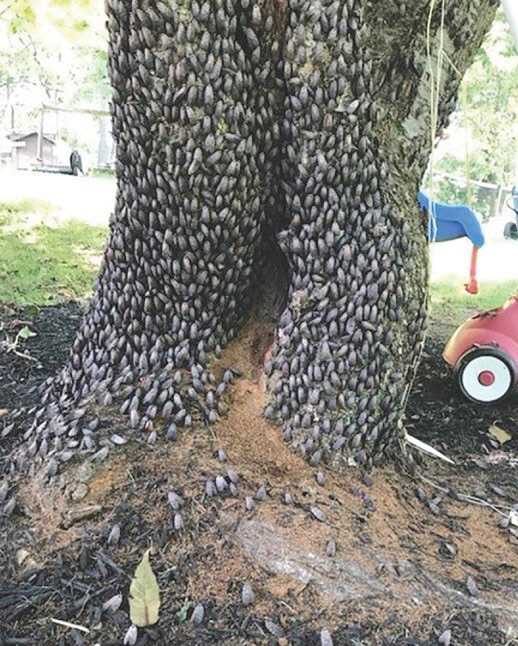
x: 27, y: 112
x: 25, y: 152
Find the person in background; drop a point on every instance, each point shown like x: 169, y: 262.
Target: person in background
x: 76, y: 163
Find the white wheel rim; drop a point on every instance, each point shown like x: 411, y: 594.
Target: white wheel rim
x: 472, y: 372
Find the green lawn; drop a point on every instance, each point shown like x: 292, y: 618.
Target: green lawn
x: 451, y: 303
x: 45, y: 263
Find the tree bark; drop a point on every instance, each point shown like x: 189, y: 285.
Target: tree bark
x: 270, y: 148
x: 357, y: 140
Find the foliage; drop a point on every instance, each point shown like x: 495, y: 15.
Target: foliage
x: 491, y: 112
x: 479, y: 198
x: 92, y: 80
x: 71, y: 18
x: 26, y: 333
x: 103, y: 172
x: 53, y: 52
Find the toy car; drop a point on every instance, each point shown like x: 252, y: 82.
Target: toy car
x: 484, y: 354
x: 484, y: 350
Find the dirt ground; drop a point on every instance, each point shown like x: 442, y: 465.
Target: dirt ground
x: 388, y: 558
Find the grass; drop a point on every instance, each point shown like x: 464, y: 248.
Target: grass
x: 44, y: 260
x: 450, y: 301
x: 104, y: 173
x: 10, y: 209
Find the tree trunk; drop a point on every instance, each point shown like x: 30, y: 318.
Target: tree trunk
x: 269, y: 156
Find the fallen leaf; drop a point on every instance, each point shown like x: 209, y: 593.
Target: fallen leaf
x: 434, y: 508
x: 26, y: 333
x: 144, y: 595
x: 331, y: 547
x: 9, y: 506
x: 4, y: 490
x: 174, y: 500
x: 501, y: 435
x: 448, y: 548
x: 182, y: 613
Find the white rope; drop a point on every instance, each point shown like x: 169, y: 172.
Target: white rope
x: 435, y: 90
x: 435, y: 87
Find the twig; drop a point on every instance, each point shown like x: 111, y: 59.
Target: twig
x: 108, y: 561
x: 289, y: 607
x: 12, y: 345
x: 23, y: 356
x: 6, y: 9
x: 426, y: 448
x: 67, y: 624
x: 16, y: 323
x: 467, y: 498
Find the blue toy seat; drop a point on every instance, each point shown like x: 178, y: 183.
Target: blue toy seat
x: 448, y: 222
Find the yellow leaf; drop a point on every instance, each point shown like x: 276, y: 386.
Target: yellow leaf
x: 144, y: 595
x: 501, y: 435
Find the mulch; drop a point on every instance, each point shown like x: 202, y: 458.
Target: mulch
x: 439, y: 415
x: 66, y: 570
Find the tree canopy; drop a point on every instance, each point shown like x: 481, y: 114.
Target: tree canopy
x: 487, y: 114
x: 52, y: 52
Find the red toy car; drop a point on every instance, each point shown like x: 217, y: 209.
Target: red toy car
x: 484, y: 354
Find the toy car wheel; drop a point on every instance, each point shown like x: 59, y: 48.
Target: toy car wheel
x: 486, y: 375
x: 511, y: 231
